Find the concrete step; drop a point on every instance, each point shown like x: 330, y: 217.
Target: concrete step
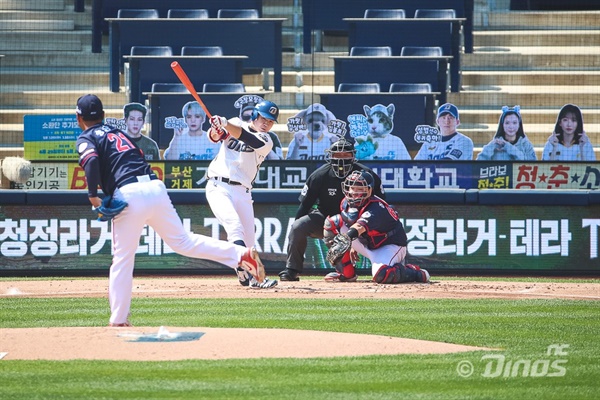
x: 73, y: 59
x: 528, y: 96
x: 531, y: 116
x: 542, y: 20
x: 523, y: 37
x: 80, y: 20
x: 42, y: 41
x: 28, y: 5
x: 36, y: 25
x: 532, y: 58
x: 529, y: 78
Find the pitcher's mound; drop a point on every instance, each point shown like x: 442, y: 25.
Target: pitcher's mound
x: 181, y: 343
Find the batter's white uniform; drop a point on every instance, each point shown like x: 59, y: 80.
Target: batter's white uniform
x: 230, y: 177
x: 453, y: 147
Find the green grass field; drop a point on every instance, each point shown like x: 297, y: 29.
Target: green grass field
x: 521, y: 330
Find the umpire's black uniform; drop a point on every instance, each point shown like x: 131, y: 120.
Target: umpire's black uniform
x: 320, y: 197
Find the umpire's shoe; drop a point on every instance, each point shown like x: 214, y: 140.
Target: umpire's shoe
x: 289, y: 275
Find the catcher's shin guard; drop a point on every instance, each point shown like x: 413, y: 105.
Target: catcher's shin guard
x: 347, y: 268
x: 399, y: 273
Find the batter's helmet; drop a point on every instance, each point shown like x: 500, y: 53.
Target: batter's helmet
x: 358, y: 187
x: 341, y: 156
x: 267, y: 109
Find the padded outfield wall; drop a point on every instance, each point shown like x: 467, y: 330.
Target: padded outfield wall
x: 456, y: 221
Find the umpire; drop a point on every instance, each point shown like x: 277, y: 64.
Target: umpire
x: 321, y: 197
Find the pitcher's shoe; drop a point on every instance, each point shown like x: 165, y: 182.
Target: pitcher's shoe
x: 251, y: 262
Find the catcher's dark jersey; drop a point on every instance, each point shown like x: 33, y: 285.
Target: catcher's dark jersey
x: 116, y: 155
x: 325, y: 189
x: 381, y: 223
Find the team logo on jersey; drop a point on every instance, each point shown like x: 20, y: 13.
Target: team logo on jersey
x: 332, y: 191
x: 99, y: 132
x: 304, y: 191
x: 264, y: 137
x: 82, y: 147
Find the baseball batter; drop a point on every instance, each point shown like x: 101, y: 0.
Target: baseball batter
x: 453, y: 144
x: 112, y: 161
x: 232, y: 172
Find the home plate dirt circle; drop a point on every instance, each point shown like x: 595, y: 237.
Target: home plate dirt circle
x: 162, y: 344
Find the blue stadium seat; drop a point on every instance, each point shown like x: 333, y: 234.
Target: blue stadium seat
x: 435, y: 13
x: 169, y: 87
x: 423, y: 51
x: 201, y: 13
x: 151, y: 51
x: 137, y: 13
x: 238, y: 13
x: 359, y: 87
x: 201, y: 51
x: 371, y: 51
x: 390, y: 13
x: 410, y: 87
x: 223, y: 87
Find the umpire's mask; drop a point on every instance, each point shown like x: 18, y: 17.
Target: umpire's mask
x: 341, y: 156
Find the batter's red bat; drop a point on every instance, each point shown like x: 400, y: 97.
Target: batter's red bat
x: 189, y: 86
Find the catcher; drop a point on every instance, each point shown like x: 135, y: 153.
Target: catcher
x: 367, y: 225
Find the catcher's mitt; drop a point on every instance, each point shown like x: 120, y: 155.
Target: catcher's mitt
x: 341, y: 245
x: 109, y: 208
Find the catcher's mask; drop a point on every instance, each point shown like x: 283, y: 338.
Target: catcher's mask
x: 341, y: 156
x: 358, y: 187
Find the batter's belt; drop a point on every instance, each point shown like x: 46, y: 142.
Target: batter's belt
x: 225, y: 180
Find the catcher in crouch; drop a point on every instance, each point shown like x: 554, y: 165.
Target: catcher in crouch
x: 367, y: 225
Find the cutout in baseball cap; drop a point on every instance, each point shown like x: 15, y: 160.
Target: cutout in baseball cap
x: 90, y: 107
x: 448, y: 108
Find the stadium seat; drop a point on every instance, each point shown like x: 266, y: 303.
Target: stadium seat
x: 151, y: 51
x: 359, y: 87
x: 169, y: 87
x: 137, y: 13
x: 423, y: 51
x: 238, y: 13
x: 410, y: 87
x: 201, y: 13
x: 371, y: 51
x: 223, y: 87
x: 435, y: 13
x: 389, y: 13
x: 201, y: 51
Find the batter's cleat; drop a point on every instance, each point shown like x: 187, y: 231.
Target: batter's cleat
x: 266, y: 284
x: 289, y: 275
x: 251, y: 262
x: 337, y: 277
x: 243, y: 276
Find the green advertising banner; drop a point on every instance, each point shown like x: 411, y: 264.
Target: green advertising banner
x: 441, y: 237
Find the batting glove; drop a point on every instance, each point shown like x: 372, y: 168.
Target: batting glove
x: 218, y: 122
